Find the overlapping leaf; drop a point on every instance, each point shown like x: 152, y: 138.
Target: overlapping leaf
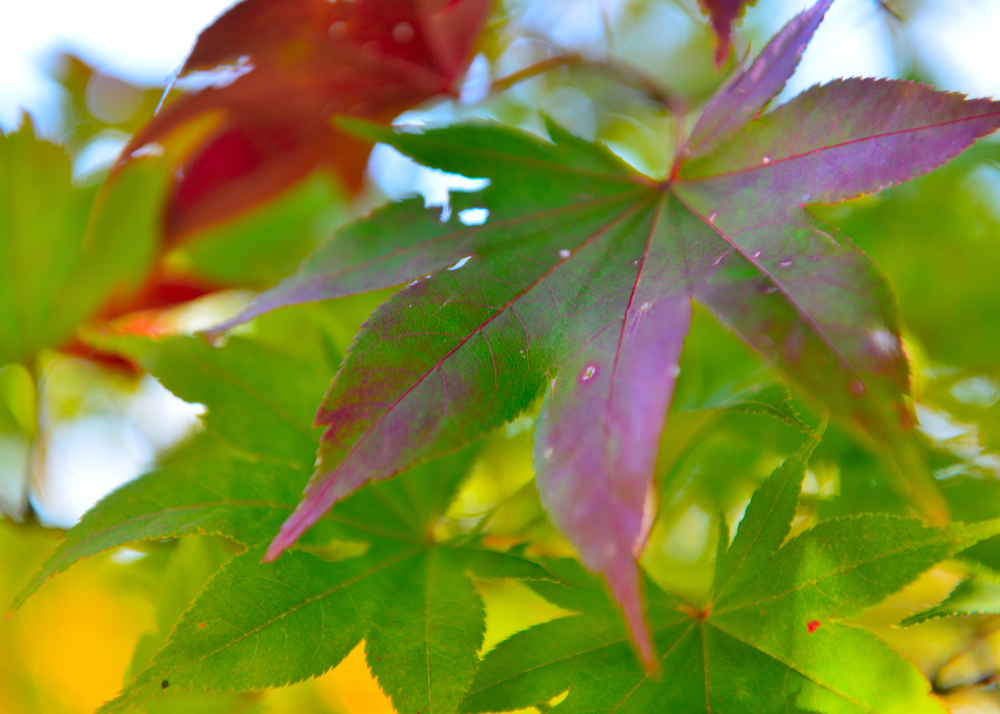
x: 770, y: 637
x: 723, y: 13
x: 264, y: 625
x: 304, y: 61
x: 978, y: 594
x: 261, y: 399
x: 580, y: 283
x: 372, y: 570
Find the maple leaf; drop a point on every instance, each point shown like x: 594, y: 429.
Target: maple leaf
x: 580, y: 282
x: 372, y: 569
x: 304, y: 61
x: 722, y: 14
x: 770, y: 637
x: 66, y: 249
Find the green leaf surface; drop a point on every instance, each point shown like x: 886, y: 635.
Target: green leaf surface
x: 67, y: 249
x: 42, y: 221
x: 771, y: 637
x: 242, y: 500
x: 410, y: 597
x: 263, y: 246
x: 260, y: 399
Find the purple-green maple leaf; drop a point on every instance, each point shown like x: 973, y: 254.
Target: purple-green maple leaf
x: 580, y: 283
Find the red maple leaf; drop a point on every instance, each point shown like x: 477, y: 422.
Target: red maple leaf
x: 307, y: 61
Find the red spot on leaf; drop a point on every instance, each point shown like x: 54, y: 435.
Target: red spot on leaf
x: 812, y: 626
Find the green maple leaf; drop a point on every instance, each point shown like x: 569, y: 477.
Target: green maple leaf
x: 770, y: 638
x: 65, y: 248
x: 264, y: 625
x: 371, y: 570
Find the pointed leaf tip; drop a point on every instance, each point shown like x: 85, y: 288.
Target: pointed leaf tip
x: 310, y: 509
x: 744, y: 96
x: 623, y: 578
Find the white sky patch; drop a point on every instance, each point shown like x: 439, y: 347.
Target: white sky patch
x: 87, y: 458
x: 99, y: 154
x: 399, y: 176
x: 853, y: 41
x: 477, y: 81
x: 474, y: 216
x: 141, y: 40
x: 958, y: 43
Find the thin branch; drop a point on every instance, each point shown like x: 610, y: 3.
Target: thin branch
x: 885, y: 6
x: 624, y: 73
x: 534, y: 70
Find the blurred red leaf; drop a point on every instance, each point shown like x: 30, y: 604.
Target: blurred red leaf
x: 722, y: 14
x: 306, y: 61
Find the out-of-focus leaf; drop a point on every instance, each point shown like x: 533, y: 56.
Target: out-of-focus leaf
x: 70, y: 253
x: 18, y: 427
x: 42, y: 222
x: 307, y: 61
x: 261, y: 400
x: 97, y: 102
x: 769, y: 639
x: 18, y: 407
x: 938, y: 240
x: 266, y: 244
x: 723, y: 13
x: 120, y: 245
x: 772, y: 399
x: 976, y: 595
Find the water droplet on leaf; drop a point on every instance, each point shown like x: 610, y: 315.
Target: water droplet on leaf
x: 461, y: 262
x: 403, y: 33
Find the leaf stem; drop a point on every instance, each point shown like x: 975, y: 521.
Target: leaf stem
x: 613, y: 69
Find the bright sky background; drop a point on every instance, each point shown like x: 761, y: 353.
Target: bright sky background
x: 146, y: 40
x: 141, y: 40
